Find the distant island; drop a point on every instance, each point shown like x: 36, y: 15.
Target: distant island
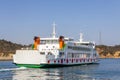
x: 108, y: 51
x: 8, y: 48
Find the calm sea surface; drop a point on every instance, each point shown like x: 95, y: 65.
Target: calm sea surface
x: 107, y: 69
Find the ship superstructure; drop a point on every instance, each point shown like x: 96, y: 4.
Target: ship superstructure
x: 49, y: 53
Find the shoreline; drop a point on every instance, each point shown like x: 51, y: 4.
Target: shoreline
x: 109, y: 57
x: 6, y: 59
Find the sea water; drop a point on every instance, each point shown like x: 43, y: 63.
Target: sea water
x: 107, y: 69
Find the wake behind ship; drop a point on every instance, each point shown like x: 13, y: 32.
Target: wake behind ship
x: 56, y: 52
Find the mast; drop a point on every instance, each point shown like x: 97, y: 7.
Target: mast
x: 54, y: 31
x: 81, y: 37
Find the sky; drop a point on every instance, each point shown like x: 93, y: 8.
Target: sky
x: 21, y: 20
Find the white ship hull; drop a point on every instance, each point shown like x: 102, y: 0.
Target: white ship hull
x: 33, y: 59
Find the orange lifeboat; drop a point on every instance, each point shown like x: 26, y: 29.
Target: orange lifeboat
x: 36, y: 42
x: 61, y: 42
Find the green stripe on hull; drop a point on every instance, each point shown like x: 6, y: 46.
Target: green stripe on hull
x: 48, y: 65
x: 30, y: 65
x: 40, y: 66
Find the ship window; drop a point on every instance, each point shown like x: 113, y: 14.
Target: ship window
x: 94, y: 55
x: 61, y: 54
x: 48, y: 42
x: 55, y: 41
x: 43, y: 53
x: 51, y: 41
x: 42, y: 42
x: 49, y: 53
x: 78, y: 48
x: 88, y: 55
x: 69, y: 55
x: 72, y: 55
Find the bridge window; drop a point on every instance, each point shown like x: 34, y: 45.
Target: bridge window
x: 61, y: 54
x: 42, y: 42
x: 78, y: 48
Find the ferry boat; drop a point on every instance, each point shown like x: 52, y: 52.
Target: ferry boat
x: 56, y: 52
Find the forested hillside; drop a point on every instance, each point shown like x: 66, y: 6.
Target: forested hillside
x: 7, y: 47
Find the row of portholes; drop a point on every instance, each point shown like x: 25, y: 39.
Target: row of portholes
x: 72, y: 60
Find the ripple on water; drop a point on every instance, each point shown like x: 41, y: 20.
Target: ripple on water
x: 108, y: 69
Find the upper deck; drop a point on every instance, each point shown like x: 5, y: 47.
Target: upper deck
x: 53, y: 40
x: 52, y: 43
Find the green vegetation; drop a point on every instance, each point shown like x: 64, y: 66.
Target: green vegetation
x: 7, y: 47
